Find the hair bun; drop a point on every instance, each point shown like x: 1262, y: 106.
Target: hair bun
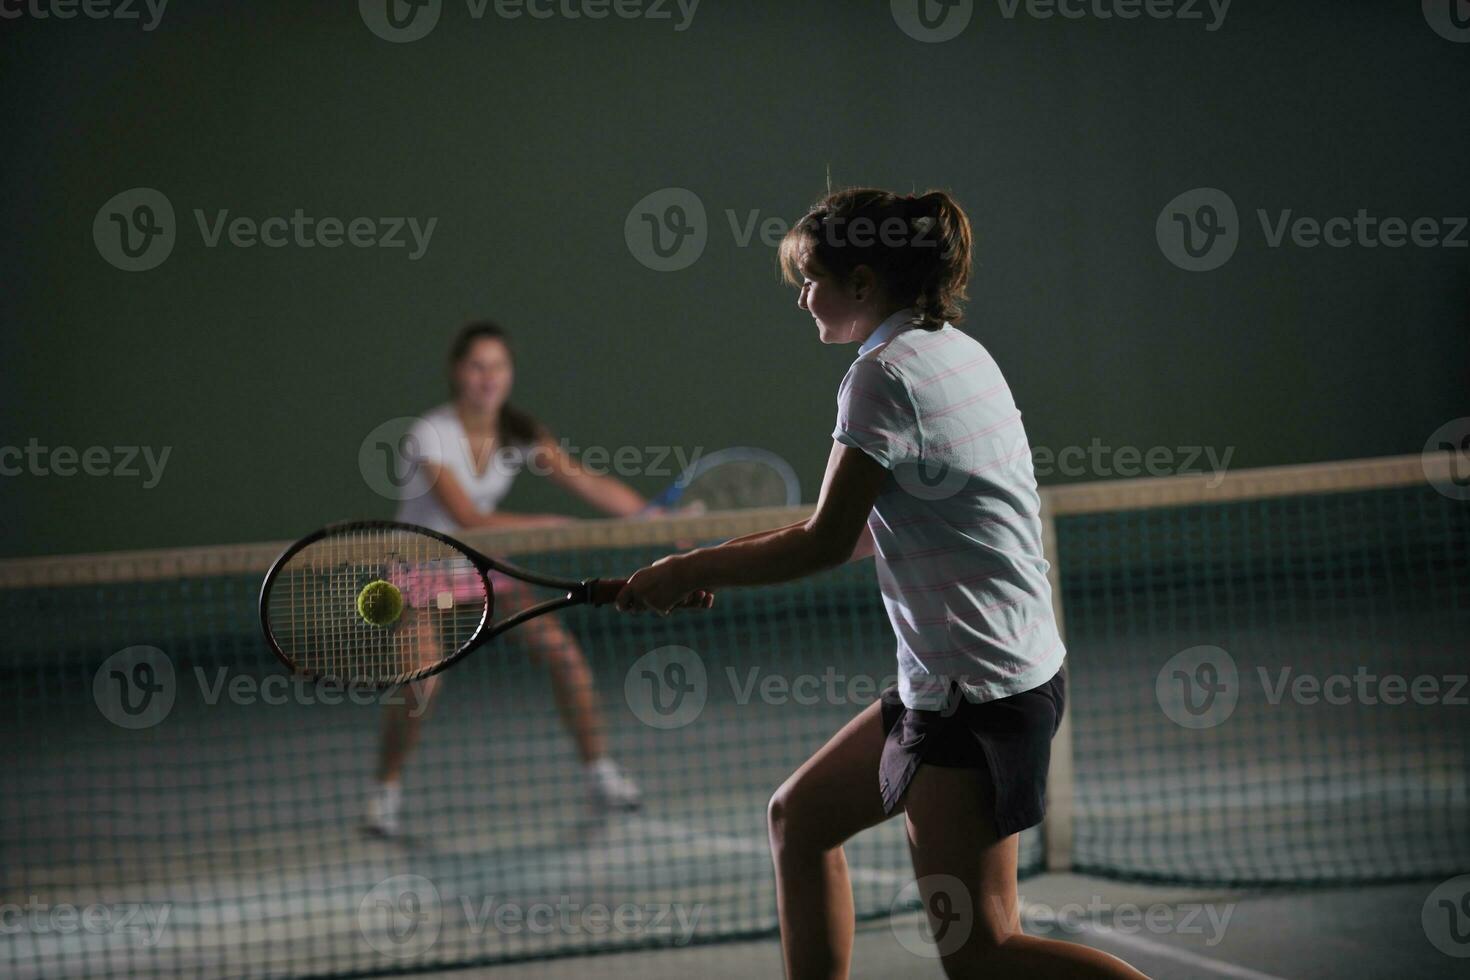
x: 929, y: 270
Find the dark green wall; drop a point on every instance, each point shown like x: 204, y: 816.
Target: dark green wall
x: 531, y: 140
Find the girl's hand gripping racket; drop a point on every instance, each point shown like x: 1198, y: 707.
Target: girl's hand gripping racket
x: 383, y: 603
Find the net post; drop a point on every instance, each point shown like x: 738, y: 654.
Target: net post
x: 1057, y: 828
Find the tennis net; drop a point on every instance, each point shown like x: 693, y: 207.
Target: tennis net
x: 196, y: 811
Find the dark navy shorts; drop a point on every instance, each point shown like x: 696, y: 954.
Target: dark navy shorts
x: 1009, y: 738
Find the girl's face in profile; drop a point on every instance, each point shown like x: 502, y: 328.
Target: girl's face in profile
x: 840, y: 317
x: 483, y: 377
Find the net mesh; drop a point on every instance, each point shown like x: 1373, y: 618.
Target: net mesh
x: 1271, y: 691
x: 196, y: 809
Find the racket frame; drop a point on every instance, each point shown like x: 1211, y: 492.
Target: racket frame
x: 671, y: 495
x: 588, y: 591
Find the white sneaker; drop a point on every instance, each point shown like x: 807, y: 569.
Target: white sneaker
x: 382, y: 810
x: 609, y: 789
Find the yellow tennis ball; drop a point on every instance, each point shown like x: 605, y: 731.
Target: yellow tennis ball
x: 380, y: 603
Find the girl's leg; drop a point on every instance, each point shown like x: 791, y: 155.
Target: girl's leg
x: 403, y: 717
x: 402, y: 720
x: 955, y: 849
x: 831, y: 797
x: 552, y: 645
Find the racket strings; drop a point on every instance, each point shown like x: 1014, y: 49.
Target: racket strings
x: 313, y: 606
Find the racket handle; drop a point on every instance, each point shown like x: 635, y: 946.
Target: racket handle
x: 605, y: 590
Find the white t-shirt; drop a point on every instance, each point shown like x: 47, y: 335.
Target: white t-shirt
x: 438, y: 437
x: 957, y: 526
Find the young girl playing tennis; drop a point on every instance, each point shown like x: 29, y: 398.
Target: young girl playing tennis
x: 466, y: 455
x: 931, y: 471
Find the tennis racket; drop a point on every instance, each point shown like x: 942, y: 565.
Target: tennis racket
x: 382, y: 603
x: 732, y: 479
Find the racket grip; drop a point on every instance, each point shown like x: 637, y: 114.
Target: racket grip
x: 605, y: 590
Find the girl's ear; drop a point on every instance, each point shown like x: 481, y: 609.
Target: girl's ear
x: 862, y: 283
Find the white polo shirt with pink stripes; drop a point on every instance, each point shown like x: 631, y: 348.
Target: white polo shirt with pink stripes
x: 957, y: 527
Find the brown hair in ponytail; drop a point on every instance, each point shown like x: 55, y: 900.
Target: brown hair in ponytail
x: 918, y: 246
x: 517, y: 427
